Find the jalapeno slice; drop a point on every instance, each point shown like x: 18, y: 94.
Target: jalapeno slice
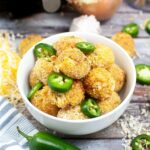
x: 35, y: 88
x: 43, y: 50
x: 132, y: 29
x: 59, y: 82
x: 85, y: 47
x: 143, y: 74
x: 140, y: 142
x: 147, y: 27
x: 90, y: 108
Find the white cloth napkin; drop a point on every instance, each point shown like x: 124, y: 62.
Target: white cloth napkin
x: 10, y: 118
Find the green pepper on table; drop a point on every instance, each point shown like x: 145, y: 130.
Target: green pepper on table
x: 143, y: 74
x: 85, y: 47
x: 47, y: 141
x: 147, y: 27
x: 59, y: 82
x: 90, y: 108
x: 43, y: 50
x: 132, y: 29
x: 140, y: 142
x: 35, y: 88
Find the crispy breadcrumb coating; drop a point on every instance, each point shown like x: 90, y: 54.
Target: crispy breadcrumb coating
x: 42, y: 101
x: 102, y: 82
x: 73, y: 63
x: 41, y: 71
x: 126, y: 41
x: 72, y: 113
x: 118, y: 75
x: 102, y: 56
x: 28, y: 42
x: 110, y: 103
x: 99, y: 84
x: 33, y: 79
x: 71, y: 98
x: 66, y: 43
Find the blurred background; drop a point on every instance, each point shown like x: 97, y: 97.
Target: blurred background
x: 102, y: 9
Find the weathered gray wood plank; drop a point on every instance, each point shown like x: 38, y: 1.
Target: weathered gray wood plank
x: 43, y: 23
x: 104, y: 144
x: 126, y: 9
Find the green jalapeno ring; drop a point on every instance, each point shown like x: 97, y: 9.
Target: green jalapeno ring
x: 43, y: 50
x: 132, y: 29
x: 147, y: 27
x: 59, y: 82
x: 35, y: 88
x: 85, y: 47
x: 90, y: 108
x: 140, y: 141
x: 143, y: 74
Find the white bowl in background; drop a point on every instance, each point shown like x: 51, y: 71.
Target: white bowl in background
x: 79, y: 127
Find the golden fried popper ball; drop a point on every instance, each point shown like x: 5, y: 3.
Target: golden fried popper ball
x: 72, y: 113
x: 99, y: 83
x: 73, y: 63
x: 28, y: 42
x: 71, y: 98
x: 126, y: 41
x: 102, y: 56
x: 66, y: 43
x: 42, y: 101
x: 33, y: 79
x: 110, y: 103
x: 41, y: 71
x: 118, y: 75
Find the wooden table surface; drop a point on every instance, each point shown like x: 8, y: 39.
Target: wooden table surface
x: 49, y: 24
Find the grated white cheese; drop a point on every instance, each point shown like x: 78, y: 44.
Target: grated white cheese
x: 133, y: 126
x: 9, y: 62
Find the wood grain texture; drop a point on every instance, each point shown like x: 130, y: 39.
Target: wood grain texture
x: 43, y: 23
x: 40, y: 24
x: 104, y: 144
x: 49, y: 24
x: 113, y: 132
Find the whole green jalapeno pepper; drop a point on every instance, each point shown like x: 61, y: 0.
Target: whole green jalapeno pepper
x: 47, y: 141
x: 140, y: 142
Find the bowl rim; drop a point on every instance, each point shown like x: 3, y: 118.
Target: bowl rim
x: 125, y: 100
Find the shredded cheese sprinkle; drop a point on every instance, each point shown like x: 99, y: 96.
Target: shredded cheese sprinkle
x: 9, y: 62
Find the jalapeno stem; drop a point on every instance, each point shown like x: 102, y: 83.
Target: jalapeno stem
x: 23, y: 134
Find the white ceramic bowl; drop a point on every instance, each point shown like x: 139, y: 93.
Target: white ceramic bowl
x: 85, y: 126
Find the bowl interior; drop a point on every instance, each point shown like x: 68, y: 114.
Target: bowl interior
x: 121, y: 58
